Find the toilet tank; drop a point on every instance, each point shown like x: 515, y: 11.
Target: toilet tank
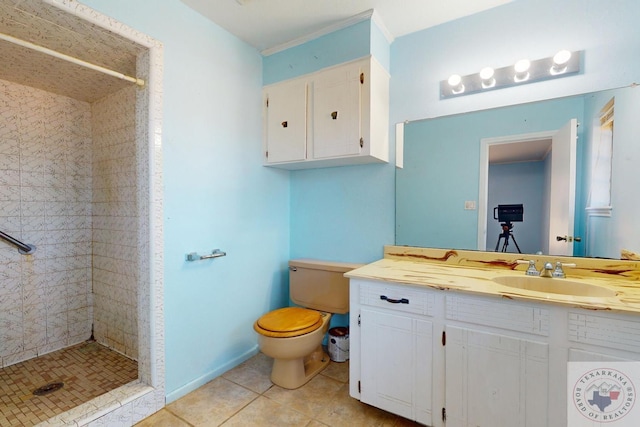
x: 320, y: 285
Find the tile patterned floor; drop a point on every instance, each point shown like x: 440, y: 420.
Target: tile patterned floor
x: 245, y: 397
x: 87, y: 371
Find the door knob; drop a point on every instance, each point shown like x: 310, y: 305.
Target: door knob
x: 569, y: 238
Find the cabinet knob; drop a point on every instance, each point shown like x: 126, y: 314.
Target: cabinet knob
x: 285, y: 124
x: 334, y: 115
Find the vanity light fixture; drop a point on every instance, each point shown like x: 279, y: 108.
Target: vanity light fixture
x: 562, y: 64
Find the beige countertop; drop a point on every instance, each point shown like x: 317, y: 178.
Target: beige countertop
x: 474, y: 272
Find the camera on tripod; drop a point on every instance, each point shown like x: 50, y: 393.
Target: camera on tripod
x: 507, y: 215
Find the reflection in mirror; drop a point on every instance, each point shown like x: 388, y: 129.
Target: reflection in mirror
x: 439, y: 192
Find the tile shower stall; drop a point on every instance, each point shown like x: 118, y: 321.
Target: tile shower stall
x: 68, y: 186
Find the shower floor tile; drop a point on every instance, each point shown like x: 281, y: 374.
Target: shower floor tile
x: 87, y: 370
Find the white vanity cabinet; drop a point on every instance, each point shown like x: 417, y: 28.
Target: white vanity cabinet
x: 334, y: 117
x: 474, y: 360
x: 396, y: 348
x: 497, y: 363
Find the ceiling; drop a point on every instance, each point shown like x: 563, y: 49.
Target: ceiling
x: 47, y: 26
x: 267, y: 24
x: 525, y: 151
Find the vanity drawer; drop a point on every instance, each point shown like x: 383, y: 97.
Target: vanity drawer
x: 509, y: 316
x: 397, y: 298
x: 603, y: 331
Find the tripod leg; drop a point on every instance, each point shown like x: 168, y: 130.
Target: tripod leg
x: 515, y: 243
x: 498, y: 243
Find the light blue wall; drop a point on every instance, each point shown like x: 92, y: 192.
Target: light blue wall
x: 353, y: 42
x: 216, y: 192
x: 335, y: 48
x: 606, y: 30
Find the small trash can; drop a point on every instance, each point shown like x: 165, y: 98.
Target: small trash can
x: 339, y: 344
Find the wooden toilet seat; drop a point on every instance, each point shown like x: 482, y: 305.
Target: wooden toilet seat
x: 288, y: 322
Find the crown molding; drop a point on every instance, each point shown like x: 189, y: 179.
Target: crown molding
x: 369, y: 14
x: 377, y: 19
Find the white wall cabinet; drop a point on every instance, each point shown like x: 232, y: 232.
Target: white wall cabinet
x: 474, y: 360
x: 335, y: 117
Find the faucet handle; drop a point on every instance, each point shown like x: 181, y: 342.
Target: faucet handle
x: 531, y: 270
x: 559, y: 272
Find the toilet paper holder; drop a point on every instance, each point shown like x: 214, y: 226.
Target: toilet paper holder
x: 193, y: 256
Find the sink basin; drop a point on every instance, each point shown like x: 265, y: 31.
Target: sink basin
x: 554, y: 286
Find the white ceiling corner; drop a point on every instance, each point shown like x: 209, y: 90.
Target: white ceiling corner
x: 273, y: 25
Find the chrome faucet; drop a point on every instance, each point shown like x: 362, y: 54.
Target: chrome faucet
x: 546, y: 269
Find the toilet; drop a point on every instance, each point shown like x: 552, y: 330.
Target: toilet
x: 293, y: 336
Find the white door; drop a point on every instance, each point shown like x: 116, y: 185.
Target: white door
x: 562, y: 191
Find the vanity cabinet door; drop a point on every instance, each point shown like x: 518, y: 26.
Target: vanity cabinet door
x: 396, y: 363
x: 495, y: 380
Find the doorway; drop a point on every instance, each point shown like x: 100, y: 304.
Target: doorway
x: 557, y: 204
x: 72, y: 235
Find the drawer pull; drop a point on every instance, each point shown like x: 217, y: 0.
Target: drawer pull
x: 394, y: 301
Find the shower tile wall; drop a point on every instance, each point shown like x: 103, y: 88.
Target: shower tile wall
x: 45, y: 199
x: 66, y: 165
x: 115, y: 222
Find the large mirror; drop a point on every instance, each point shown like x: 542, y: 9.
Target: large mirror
x: 570, y: 166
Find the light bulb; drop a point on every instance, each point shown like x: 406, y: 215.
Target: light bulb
x: 455, y: 81
x: 562, y: 57
x: 522, y: 66
x: 560, y: 61
x: 522, y: 70
x: 486, y: 74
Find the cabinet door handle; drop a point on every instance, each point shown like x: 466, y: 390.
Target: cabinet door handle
x: 334, y: 115
x: 394, y: 301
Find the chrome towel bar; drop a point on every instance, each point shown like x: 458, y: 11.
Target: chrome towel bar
x: 193, y: 256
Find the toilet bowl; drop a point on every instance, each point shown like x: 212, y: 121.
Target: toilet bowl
x: 293, y: 336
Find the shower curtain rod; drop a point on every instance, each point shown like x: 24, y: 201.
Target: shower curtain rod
x: 76, y: 61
